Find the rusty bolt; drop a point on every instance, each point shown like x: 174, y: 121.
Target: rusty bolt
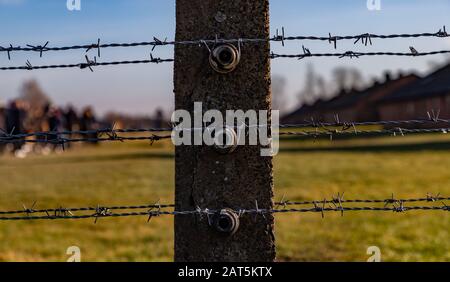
x: 224, y: 58
x: 226, y: 140
x: 227, y: 222
x: 220, y: 17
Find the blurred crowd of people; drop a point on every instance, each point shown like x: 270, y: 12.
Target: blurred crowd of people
x: 19, y: 117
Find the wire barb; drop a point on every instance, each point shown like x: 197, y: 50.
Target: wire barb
x: 101, y: 212
x: 95, y: 46
x: 337, y: 201
x: 257, y: 211
x: 350, y: 54
x: 399, y: 207
x: 332, y: 40
x: 31, y: 210
x: 364, y: 38
x: 8, y: 50
x: 279, y: 37
x: 431, y: 198
x: 151, y: 213
x: 445, y: 207
x: 158, y: 42
x: 28, y: 66
x: 414, y: 52
x: 39, y: 48
x: 442, y: 32
x: 89, y: 64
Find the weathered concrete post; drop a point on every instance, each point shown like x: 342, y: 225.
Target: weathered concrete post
x: 205, y: 178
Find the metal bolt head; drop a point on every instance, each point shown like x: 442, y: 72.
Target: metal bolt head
x: 226, y: 222
x: 224, y: 58
x: 220, y: 17
x: 226, y: 140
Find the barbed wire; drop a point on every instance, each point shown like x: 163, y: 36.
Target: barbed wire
x: 241, y: 212
x: 336, y: 199
x: 62, y: 141
x: 365, y: 39
x: 322, y: 129
x: 397, y: 206
x: 89, y: 64
x: 336, y: 132
x: 357, y: 55
x: 110, y: 132
x: 339, y: 198
x: 433, y: 119
x: 31, y: 210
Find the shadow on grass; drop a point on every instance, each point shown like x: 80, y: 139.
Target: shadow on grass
x: 426, y: 146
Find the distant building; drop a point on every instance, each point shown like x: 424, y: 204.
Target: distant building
x: 419, y: 97
x: 350, y: 106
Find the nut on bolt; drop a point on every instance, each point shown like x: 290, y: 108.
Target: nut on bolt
x: 224, y: 58
x: 225, y: 140
x: 226, y: 222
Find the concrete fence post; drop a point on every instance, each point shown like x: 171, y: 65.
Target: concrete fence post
x: 204, y: 177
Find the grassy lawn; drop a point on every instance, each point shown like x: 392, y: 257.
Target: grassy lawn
x: 134, y: 173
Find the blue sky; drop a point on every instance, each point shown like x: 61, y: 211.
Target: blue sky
x: 140, y: 89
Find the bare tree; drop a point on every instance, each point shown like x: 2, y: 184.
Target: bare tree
x: 322, y: 87
x: 33, y: 94
x: 278, y: 93
x: 348, y: 78
x: 315, y: 87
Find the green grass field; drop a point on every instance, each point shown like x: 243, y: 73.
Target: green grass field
x: 135, y: 173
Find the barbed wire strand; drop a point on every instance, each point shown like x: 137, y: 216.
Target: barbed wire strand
x: 357, y: 55
x: 61, y: 209
x: 105, y: 213
x: 87, y: 65
x: 322, y: 130
x: 365, y: 39
x: 340, y: 199
x: 334, y: 200
x: 432, y: 119
x: 62, y: 141
x: 394, y: 132
x: 100, y: 132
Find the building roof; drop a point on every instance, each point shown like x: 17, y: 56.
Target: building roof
x: 435, y: 84
x: 306, y: 109
x: 349, y: 99
x: 372, y: 94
